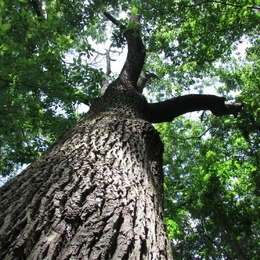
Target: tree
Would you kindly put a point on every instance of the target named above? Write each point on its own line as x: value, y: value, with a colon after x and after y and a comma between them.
x: 211, y: 197
x: 97, y: 193
x: 39, y: 86
x: 212, y: 173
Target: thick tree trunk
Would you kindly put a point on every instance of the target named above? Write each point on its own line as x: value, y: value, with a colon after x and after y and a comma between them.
x: 96, y: 194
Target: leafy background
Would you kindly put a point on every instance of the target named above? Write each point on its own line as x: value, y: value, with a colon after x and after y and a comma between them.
x: 49, y: 65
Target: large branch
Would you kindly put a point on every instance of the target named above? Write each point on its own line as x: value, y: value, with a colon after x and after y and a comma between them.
x: 167, y: 110
x: 136, y: 51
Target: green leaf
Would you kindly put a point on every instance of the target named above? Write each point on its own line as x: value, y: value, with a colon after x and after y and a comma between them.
x: 5, y: 26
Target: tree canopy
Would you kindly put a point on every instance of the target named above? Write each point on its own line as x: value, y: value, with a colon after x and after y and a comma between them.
x: 48, y: 64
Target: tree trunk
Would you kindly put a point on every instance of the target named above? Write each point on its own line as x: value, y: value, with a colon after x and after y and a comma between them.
x: 96, y: 194
x: 233, y: 244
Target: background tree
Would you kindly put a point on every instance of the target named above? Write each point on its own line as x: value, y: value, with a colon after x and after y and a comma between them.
x: 182, y: 41
x: 39, y: 85
x: 213, y: 209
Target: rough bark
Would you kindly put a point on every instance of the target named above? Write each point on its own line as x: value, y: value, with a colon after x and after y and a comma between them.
x: 96, y: 194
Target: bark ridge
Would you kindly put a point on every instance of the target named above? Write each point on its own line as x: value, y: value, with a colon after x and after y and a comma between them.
x: 96, y: 195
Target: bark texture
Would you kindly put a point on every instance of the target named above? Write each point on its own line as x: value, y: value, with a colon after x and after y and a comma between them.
x: 96, y: 194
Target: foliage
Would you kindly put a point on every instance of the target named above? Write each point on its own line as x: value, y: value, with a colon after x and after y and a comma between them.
x: 186, y: 37
x: 46, y: 49
x: 39, y: 85
x: 211, y: 184
x: 212, y: 172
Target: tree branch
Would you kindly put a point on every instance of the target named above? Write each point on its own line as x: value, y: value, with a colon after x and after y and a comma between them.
x: 167, y: 110
x: 105, y: 82
x: 114, y: 20
x: 233, y: 244
x: 136, y: 51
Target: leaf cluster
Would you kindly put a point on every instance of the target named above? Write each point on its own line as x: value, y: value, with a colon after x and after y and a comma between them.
x: 39, y: 84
